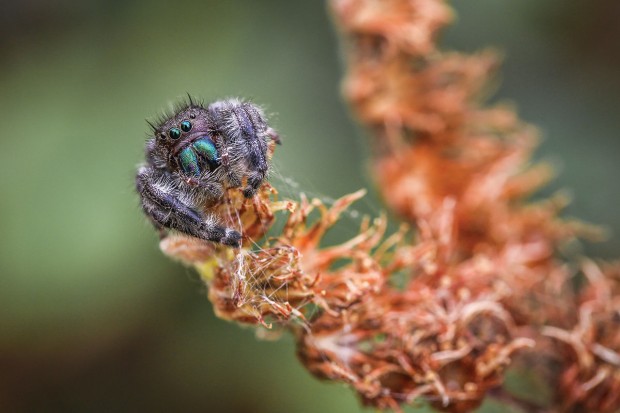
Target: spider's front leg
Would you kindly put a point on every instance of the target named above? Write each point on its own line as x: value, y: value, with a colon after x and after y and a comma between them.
x: 244, y: 137
x: 165, y: 206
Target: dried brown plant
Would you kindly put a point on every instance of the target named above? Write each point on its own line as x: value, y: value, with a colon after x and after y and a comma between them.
x: 481, y: 282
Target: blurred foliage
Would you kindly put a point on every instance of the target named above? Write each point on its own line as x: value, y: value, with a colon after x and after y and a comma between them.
x: 93, y: 317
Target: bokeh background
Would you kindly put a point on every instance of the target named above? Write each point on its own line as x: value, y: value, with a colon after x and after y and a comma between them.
x: 92, y: 317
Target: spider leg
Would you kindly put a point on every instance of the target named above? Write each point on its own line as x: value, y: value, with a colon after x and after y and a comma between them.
x: 245, y: 132
x: 252, y: 127
x: 166, y: 210
x: 274, y: 136
x: 234, y: 177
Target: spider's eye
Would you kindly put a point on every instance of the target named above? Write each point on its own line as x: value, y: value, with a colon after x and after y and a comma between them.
x: 174, y: 133
x: 186, y: 126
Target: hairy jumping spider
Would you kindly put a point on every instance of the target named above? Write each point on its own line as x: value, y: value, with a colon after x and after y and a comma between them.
x: 193, y: 156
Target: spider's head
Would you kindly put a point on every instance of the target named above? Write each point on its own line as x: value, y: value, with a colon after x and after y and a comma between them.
x: 184, y: 139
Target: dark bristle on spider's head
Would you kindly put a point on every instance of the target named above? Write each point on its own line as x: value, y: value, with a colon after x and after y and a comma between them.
x: 198, y: 152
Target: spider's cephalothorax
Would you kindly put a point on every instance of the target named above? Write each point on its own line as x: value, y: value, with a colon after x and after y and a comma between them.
x: 193, y: 156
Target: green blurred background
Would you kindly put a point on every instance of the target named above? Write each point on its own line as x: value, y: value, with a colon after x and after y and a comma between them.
x: 92, y: 316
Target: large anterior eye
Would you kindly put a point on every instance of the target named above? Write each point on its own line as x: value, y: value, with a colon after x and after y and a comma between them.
x: 186, y: 126
x: 174, y: 133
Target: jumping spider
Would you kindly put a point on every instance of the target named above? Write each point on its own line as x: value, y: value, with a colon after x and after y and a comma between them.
x: 193, y: 156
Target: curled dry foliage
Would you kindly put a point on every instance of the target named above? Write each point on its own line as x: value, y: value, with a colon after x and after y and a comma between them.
x: 284, y: 278
x: 590, y: 348
x: 441, y: 314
